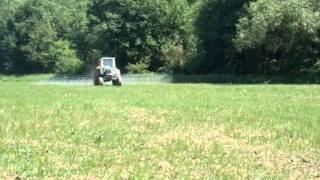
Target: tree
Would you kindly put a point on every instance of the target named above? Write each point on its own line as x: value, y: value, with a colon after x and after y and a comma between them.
x: 216, y: 28
x: 66, y: 60
x: 171, y: 36
x: 7, y: 41
x: 35, y: 28
x: 137, y: 31
x: 284, y: 35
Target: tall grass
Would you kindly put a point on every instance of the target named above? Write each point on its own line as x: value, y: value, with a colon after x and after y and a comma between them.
x: 159, y: 131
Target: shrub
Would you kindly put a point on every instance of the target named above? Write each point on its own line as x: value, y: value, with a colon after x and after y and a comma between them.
x: 66, y: 61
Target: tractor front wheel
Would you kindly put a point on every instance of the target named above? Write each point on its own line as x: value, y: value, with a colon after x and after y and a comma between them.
x: 98, y: 80
x: 117, y: 82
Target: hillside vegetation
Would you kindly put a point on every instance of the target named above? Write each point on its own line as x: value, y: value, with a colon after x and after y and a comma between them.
x: 263, y: 37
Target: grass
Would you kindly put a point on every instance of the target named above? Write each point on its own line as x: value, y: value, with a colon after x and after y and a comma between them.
x: 25, y: 78
x: 181, y: 131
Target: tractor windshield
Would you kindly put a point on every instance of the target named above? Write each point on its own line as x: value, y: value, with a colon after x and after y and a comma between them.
x: 108, y: 62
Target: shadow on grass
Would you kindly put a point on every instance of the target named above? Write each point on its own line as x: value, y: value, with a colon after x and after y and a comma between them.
x: 244, y: 79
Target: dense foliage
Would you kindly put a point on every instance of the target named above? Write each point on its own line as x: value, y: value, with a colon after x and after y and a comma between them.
x: 41, y: 36
x: 140, y: 33
x: 282, y: 36
x: 179, y: 36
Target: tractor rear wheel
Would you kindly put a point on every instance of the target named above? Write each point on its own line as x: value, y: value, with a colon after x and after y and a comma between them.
x: 97, y: 79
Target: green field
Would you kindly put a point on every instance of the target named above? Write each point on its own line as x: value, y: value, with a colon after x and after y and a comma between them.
x: 175, y: 131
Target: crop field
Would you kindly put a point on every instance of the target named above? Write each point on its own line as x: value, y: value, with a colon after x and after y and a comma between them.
x: 158, y: 131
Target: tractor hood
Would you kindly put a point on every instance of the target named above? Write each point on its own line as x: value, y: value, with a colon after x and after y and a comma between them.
x: 108, y: 70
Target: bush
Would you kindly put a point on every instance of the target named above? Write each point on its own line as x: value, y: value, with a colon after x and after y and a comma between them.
x: 317, y: 67
x: 138, y: 68
x: 66, y: 61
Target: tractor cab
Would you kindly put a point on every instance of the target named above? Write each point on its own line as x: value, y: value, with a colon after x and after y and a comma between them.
x: 108, y: 62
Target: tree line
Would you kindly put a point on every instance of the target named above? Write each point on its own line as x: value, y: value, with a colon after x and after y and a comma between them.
x: 263, y: 37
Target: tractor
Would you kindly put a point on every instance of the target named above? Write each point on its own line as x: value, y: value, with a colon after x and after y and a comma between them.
x: 107, y: 71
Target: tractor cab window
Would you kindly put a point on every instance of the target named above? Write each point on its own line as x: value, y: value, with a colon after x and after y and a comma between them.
x: 108, y: 62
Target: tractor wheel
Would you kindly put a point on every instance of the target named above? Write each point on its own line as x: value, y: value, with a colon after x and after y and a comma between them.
x: 98, y: 81
x: 117, y: 82
x: 114, y: 82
